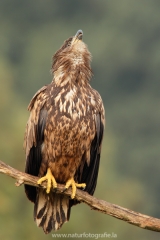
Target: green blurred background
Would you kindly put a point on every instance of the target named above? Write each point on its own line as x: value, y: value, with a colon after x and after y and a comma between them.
x: 124, y: 39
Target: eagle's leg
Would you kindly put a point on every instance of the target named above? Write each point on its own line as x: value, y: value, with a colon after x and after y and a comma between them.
x: 50, y: 180
x: 74, y: 185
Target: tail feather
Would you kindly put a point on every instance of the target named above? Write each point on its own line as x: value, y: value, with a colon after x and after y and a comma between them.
x: 51, y: 210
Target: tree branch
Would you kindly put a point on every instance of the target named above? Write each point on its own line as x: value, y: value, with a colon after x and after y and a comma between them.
x: 135, y: 218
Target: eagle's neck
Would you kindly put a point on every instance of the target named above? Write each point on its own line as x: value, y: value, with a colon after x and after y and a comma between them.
x: 79, y: 75
x: 73, y: 68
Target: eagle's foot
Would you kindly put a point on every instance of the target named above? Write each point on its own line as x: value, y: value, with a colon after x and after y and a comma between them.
x: 74, y: 185
x: 50, y: 180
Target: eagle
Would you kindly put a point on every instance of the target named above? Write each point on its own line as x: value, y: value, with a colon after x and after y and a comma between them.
x: 63, y: 135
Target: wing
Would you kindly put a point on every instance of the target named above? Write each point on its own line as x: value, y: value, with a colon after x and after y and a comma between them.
x: 34, y: 137
x: 90, y: 172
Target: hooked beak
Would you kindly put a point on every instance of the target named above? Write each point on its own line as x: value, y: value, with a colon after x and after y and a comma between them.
x: 79, y: 35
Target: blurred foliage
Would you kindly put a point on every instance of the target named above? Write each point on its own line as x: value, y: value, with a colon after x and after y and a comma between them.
x: 124, y: 39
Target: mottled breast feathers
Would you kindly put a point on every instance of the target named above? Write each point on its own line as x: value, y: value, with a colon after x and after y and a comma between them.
x: 66, y: 121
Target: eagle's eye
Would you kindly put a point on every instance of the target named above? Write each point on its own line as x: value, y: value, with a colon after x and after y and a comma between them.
x: 67, y: 43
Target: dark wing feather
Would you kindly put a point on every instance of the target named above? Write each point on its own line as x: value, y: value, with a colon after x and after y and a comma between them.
x: 34, y: 158
x: 89, y: 173
x: 34, y: 138
x: 33, y: 170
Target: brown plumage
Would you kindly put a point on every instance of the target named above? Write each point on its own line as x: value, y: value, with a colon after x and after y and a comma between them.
x: 64, y: 133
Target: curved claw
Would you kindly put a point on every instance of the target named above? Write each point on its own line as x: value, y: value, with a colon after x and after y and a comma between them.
x: 74, y: 186
x: 50, y: 180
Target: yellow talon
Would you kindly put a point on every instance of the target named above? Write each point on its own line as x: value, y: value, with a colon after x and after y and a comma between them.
x: 50, y: 180
x: 74, y: 185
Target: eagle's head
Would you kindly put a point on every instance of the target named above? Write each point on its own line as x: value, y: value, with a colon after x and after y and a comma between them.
x: 73, y: 56
x: 77, y: 46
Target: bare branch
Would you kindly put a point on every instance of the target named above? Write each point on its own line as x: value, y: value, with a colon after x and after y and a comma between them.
x: 135, y: 218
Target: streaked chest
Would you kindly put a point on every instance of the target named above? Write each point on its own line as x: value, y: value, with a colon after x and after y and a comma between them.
x: 74, y: 102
